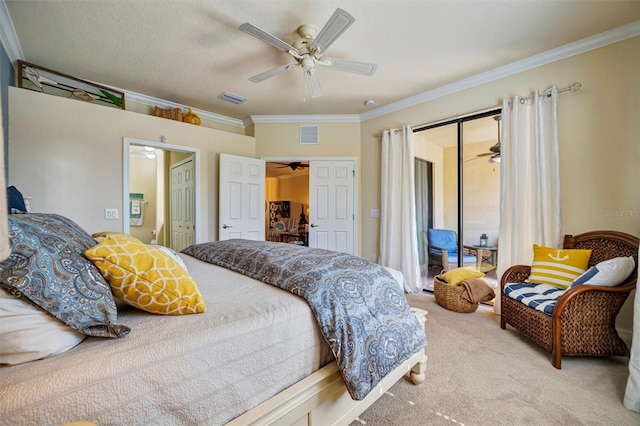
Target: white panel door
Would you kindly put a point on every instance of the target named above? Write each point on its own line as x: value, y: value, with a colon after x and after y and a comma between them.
x: 331, y: 205
x: 242, y: 203
x: 182, y: 190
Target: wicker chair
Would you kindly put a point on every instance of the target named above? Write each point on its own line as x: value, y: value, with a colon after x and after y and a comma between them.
x: 584, y: 317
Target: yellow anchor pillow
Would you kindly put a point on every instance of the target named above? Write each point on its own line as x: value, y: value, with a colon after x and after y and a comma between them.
x: 146, y: 277
x: 558, y: 267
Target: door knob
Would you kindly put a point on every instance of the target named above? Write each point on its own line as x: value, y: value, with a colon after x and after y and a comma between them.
x: 313, y: 225
x: 226, y: 226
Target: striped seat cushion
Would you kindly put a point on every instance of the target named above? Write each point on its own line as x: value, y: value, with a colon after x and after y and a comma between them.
x: 542, y: 297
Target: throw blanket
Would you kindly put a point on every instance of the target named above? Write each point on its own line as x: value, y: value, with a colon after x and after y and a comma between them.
x: 361, y: 311
x: 476, y: 290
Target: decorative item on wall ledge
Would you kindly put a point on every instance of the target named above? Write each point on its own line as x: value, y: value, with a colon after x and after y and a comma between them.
x: 40, y: 79
x: 171, y: 114
x: 191, y: 118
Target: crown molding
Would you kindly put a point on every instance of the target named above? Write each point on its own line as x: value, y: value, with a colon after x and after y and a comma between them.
x: 322, y: 118
x: 581, y: 46
x: 8, y: 35
x: 151, y: 101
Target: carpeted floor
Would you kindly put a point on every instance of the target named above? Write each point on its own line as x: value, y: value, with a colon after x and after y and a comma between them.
x: 479, y: 374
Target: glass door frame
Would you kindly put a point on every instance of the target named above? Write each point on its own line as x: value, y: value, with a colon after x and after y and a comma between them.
x: 459, y: 122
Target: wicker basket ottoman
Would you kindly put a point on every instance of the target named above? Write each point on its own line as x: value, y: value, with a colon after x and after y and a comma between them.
x: 448, y: 296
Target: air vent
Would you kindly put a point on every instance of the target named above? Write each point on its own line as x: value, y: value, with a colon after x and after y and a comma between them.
x: 230, y: 97
x: 309, y: 135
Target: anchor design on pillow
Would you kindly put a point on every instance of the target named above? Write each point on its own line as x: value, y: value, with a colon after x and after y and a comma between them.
x: 557, y: 258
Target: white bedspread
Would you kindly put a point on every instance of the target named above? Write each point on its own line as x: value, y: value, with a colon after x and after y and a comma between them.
x: 254, y: 341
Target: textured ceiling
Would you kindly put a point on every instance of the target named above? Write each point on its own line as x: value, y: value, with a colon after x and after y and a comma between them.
x: 190, y: 51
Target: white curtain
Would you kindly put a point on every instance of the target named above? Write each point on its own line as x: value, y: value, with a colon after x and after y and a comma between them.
x: 632, y: 392
x: 398, y: 241
x: 529, y: 179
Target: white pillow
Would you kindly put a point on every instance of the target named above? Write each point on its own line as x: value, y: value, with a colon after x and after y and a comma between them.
x: 28, y: 333
x: 608, y: 273
x: 175, y: 256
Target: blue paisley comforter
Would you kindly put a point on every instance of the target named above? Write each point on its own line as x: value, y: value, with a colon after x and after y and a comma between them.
x: 361, y: 311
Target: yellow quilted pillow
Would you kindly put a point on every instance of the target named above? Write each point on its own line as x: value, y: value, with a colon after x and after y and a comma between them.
x: 457, y: 275
x: 559, y: 267
x: 146, y: 277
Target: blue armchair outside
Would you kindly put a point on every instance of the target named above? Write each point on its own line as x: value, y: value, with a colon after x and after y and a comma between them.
x: 443, y: 250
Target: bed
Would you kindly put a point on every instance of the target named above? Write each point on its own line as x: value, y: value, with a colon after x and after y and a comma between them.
x: 255, y: 356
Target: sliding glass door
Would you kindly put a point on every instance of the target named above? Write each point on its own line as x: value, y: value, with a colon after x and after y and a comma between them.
x: 465, y: 185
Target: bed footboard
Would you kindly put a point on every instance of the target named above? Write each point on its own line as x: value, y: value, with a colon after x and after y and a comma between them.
x: 322, y: 398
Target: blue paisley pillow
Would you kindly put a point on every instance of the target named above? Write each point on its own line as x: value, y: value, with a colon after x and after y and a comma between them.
x: 47, y: 266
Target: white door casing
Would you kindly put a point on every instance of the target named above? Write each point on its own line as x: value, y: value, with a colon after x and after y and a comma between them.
x: 332, y: 205
x: 182, y: 190
x: 242, y: 199
x: 126, y: 226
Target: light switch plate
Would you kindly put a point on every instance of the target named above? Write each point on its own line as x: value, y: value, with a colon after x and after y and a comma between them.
x: 374, y: 213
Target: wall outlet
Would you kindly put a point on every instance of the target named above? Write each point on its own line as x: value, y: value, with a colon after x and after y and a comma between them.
x: 374, y: 213
x: 374, y: 258
x: 110, y: 214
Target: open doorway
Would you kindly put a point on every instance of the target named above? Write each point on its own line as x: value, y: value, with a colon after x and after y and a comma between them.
x: 326, y: 196
x: 160, y: 187
x: 287, y: 201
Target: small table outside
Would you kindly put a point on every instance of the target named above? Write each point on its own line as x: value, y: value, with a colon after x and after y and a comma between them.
x: 488, y: 253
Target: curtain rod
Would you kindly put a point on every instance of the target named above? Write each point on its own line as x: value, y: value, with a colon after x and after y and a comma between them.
x: 573, y: 88
x: 445, y: 120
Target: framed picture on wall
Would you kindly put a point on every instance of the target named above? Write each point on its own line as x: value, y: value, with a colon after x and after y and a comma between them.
x: 40, y: 79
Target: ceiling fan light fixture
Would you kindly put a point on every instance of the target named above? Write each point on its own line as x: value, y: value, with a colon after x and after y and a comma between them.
x: 495, y: 158
x: 308, y: 51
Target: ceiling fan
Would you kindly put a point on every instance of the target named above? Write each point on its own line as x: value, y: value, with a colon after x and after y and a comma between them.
x: 494, y: 151
x: 309, y: 49
x: 293, y: 165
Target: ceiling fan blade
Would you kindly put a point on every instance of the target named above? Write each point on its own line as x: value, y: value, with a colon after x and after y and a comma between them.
x: 363, y: 68
x: 486, y: 154
x: 268, y: 38
x: 336, y: 25
x: 271, y: 73
x: 313, y: 83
